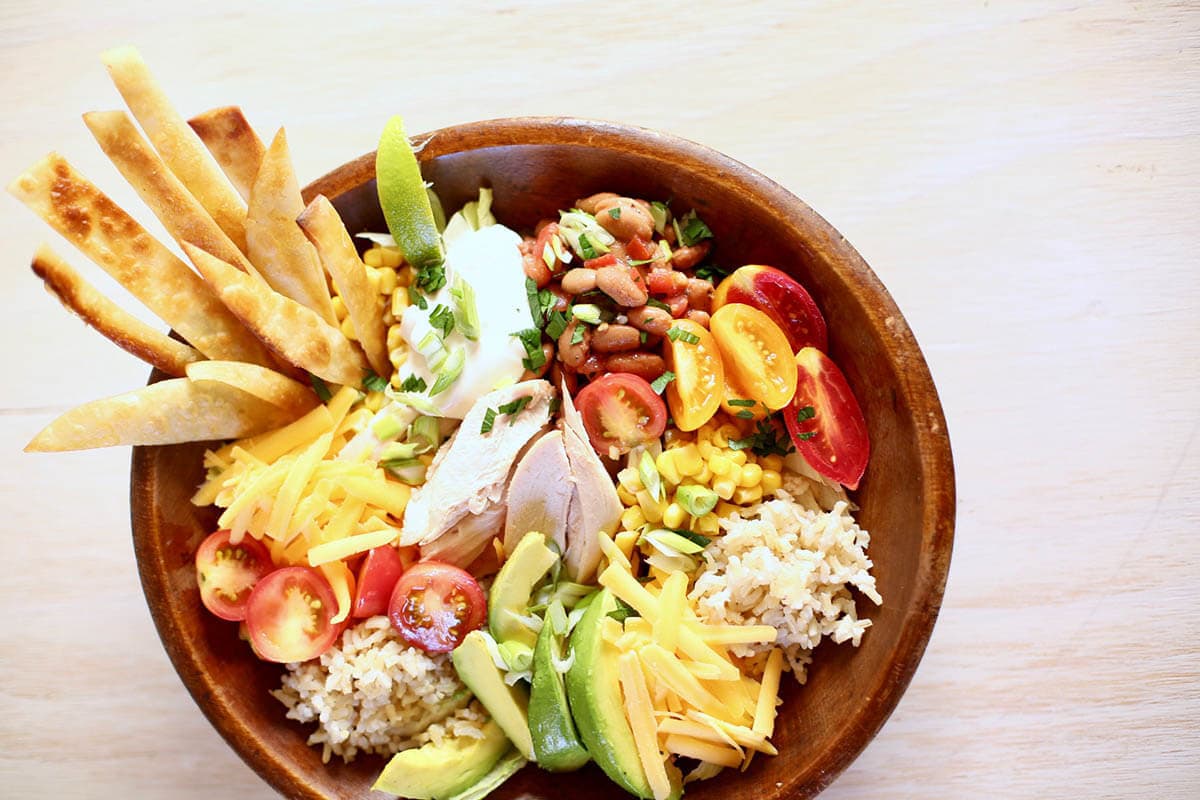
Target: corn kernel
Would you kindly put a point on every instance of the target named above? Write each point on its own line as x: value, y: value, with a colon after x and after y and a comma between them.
x: 387, y: 280
x: 373, y: 278
x: 339, y: 307
x: 771, y: 481
x: 706, y: 449
x: 748, y: 495
x: 751, y: 475
x: 394, y: 337
x: 719, y: 439
x: 704, y: 476
x: 674, y: 516
x: 399, y: 303
x: 348, y: 329
x: 737, y: 457
x: 774, y: 462
x: 632, y: 518
x: 373, y: 257
x: 626, y: 541
x: 398, y: 357
x: 388, y: 319
x: 652, y: 510
x: 688, y: 461
x: 724, y: 487
x: 627, y: 497
x: 374, y: 401
x: 666, y: 466
x: 707, y: 524
x: 391, y: 257
x: 630, y: 479
x: 404, y: 277
x: 720, y: 465
x: 724, y: 509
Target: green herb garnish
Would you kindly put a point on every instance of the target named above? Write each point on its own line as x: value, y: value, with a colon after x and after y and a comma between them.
x: 514, y: 407
x: 413, y: 384
x: 442, y: 318
x: 691, y: 229
x: 416, y: 298
x: 737, y: 401
x: 577, y: 335
x: 712, y: 273
x: 556, y: 325
x: 808, y: 412
x: 321, y: 388
x: 765, y: 441
x: 373, y: 383
x: 489, y: 419
x: 586, y: 249
x: 615, y: 212
x: 654, y: 303
x: 677, y: 334
x: 660, y: 383
x: 531, y: 340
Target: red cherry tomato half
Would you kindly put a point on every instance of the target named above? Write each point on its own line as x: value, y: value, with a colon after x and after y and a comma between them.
x: 227, y: 573
x: 825, y: 421
x: 621, y: 411
x: 639, y: 249
x: 290, y: 615
x: 781, y: 298
x: 434, y: 606
x: 376, y: 579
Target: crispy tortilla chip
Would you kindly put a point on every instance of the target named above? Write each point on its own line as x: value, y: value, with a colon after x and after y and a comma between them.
x: 323, y: 227
x: 113, y: 322
x: 265, y: 384
x: 168, y: 412
x: 293, y: 331
x: 276, y: 245
x: 233, y: 143
x: 178, y: 144
x: 180, y: 213
x: 105, y: 233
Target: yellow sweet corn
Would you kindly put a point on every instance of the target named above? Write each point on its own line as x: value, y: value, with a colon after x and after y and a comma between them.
x: 750, y: 475
x: 348, y: 329
x: 738, y: 457
x: 387, y: 280
x: 720, y: 465
x: 339, y: 307
x: 687, y: 460
x: 771, y: 481
x: 724, y: 487
x: 708, y: 524
x: 746, y: 496
x: 374, y: 278
x: 666, y: 466
x: 373, y: 257
x: 374, y: 401
x: 771, y: 463
x: 725, y: 509
x: 627, y: 497
x: 633, y: 518
x: 704, y: 476
x: 674, y: 516
x: 391, y: 257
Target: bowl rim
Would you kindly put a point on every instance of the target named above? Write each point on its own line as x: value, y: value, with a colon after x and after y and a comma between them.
x: 915, y: 384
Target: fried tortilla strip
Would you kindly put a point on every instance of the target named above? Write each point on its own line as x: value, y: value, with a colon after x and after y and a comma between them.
x: 180, y: 213
x: 113, y: 322
x: 323, y: 227
x: 276, y: 245
x: 266, y: 384
x: 233, y: 143
x: 168, y: 412
x: 105, y: 233
x: 296, y: 333
x: 177, y: 143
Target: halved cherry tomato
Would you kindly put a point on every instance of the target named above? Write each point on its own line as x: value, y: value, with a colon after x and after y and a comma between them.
x: 825, y: 421
x: 691, y: 353
x: 781, y: 298
x: 228, y: 572
x: 544, y: 240
x: 757, y: 356
x: 376, y: 579
x: 664, y: 282
x: 290, y: 615
x: 639, y: 249
x: 434, y: 606
x: 620, y: 411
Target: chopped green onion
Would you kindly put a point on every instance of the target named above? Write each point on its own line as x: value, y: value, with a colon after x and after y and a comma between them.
x: 585, y: 247
x: 321, y: 388
x: 586, y: 312
x: 648, y: 472
x: 676, y: 334
x: 659, y: 212
x: 556, y: 615
x: 737, y: 401
x: 374, y: 383
x: 670, y: 543
x: 448, y: 373
x: 489, y: 419
x: 386, y: 427
x: 408, y: 470
x: 655, y: 303
x: 514, y: 407
x: 660, y: 383
x: 548, y: 256
x: 466, y: 312
x: 426, y: 433
x: 577, y: 335
x: 397, y: 451
x: 430, y: 345
x: 615, y: 212
x: 696, y: 500
x: 416, y: 400
x: 698, y: 538
x: 518, y: 655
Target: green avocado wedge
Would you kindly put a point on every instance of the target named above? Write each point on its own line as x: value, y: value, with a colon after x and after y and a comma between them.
x: 508, y: 705
x: 505, y: 768
x: 404, y: 200
x: 555, y: 741
x: 594, y: 693
x: 508, y: 599
x: 438, y: 772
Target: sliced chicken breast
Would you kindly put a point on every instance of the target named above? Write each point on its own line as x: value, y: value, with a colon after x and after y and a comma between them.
x: 539, y: 493
x: 595, y: 505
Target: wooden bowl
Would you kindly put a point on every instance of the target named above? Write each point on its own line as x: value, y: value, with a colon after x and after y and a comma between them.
x: 536, y: 166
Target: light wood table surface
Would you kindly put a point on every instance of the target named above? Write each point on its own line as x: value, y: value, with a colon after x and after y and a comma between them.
x: 1024, y: 177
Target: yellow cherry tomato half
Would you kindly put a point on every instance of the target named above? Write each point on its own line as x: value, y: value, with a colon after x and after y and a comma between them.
x: 757, y: 354
x: 692, y: 354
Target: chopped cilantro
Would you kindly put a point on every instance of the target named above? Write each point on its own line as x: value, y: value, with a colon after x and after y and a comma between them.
x: 586, y: 249
x: 655, y: 303
x: 413, y: 384
x: 804, y: 437
x: 431, y: 278
x: 660, y: 383
x: 615, y: 212
x: 416, y: 298
x: 577, y: 335
x: 442, y: 318
x: 692, y: 229
x: 712, y: 273
x: 676, y: 334
x: 373, y: 383
x: 489, y: 419
x: 556, y: 325
x: 741, y: 402
x: 531, y: 340
x: 321, y: 388
x: 514, y: 407
x: 766, y: 440
x: 808, y: 412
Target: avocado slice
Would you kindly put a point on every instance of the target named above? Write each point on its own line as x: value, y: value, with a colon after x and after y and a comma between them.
x: 436, y: 772
x: 555, y: 741
x: 524, y: 569
x: 594, y: 693
x: 505, y: 768
x: 508, y: 705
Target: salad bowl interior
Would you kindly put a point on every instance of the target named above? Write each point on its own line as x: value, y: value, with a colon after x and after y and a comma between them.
x: 906, y: 500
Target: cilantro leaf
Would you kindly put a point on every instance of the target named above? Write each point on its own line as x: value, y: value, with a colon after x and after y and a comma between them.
x: 442, y: 318
x: 712, y: 273
x: 808, y: 412
x: 374, y: 383
x: 416, y: 298
x: 615, y: 212
x: 660, y: 383
x: 413, y: 384
x: 556, y: 325
x: 692, y: 229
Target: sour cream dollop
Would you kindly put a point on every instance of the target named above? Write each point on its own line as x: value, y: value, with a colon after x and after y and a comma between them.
x: 490, y: 261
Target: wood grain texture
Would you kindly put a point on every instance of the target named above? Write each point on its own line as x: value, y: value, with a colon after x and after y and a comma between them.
x: 1021, y: 175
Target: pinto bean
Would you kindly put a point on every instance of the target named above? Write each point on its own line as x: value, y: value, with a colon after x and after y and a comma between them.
x: 699, y: 317
x: 573, y: 355
x: 534, y: 266
x: 644, y: 365
x: 579, y: 280
x: 614, y: 338
x: 650, y: 319
x: 592, y: 366
x: 699, y: 294
x: 619, y: 284
x: 592, y: 202
x: 625, y: 218
x: 689, y: 256
x: 548, y: 352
